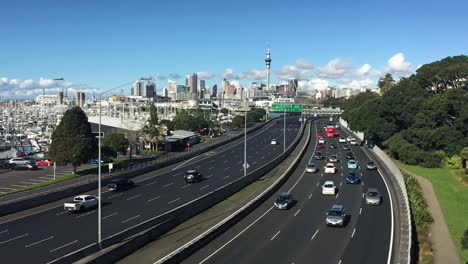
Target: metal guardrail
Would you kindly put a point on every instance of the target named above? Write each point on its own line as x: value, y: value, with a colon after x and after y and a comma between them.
x: 398, y: 182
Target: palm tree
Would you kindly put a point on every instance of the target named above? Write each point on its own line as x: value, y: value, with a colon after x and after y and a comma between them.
x: 151, y: 136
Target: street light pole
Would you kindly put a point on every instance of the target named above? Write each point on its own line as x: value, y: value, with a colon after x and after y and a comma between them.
x: 284, y: 133
x: 245, y: 143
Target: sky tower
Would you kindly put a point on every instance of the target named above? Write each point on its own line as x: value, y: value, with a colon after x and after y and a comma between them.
x: 268, y: 62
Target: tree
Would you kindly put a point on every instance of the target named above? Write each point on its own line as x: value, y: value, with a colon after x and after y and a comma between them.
x: 464, y: 240
x: 153, y: 120
x: 386, y: 83
x: 72, y: 141
x: 151, y: 129
x: 224, y: 111
x: 464, y: 156
x: 238, y: 121
x: 117, y: 142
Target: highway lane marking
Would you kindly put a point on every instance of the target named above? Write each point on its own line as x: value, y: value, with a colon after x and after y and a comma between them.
x: 362, y: 195
x: 6, y: 188
x: 151, y: 183
x: 253, y: 163
x: 360, y: 210
x: 225, y: 177
x: 167, y: 185
x: 310, y: 196
x: 339, y: 262
x: 66, y: 245
x: 227, y: 168
x: 36, y: 180
x: 185, y: 186
x: 354, y: 231
x: 133, y: 197
x: 173, y: 201
x: 109, y: 216
x: 318, y: 184
x: 183, y: 163
x: 227, y: 161
x: 297, y: 212
x: 236, y: 236
x: 18, y: 185
x: 211, y: 161
x: 4, y: 231
x: 314, y: 234
x: 341, y: 183
x: 152, y: 199
x: 61, y: 213
x: 11, y: 239
x: 337, y: 195
x: 256, y: 152
x: 115, y: 195
x: 46, y: 178
x: 262, y: 157
x: 341, y: 174
x: 210, y: 168
x: 85, y: 214
x: 38, y: 242
x: 29, y: 183
x: 204, y: 187
x: 277, y: 233
x: 130, y: 219
x: 209, y: 176
x: 362, y: 183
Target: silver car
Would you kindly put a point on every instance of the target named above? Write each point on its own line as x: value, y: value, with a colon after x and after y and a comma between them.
x: 370, y: 165
x: 311, y: 167
x: 373, y: 197
x: 336, y: 216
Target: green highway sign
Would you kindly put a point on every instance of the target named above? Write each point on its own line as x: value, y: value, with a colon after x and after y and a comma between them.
x: 288, y: 107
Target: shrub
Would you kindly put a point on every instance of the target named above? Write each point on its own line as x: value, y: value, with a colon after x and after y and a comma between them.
x: 422, y: 216
x: 464, y: 240
x: 455, y: 162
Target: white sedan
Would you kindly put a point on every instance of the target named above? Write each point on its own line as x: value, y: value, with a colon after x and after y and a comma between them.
x: 329, y: 188
x: 342, y: 140
x: 330, y: 168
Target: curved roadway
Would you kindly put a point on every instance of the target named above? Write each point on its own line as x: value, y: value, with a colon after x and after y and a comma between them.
x: 299, y: 235
x: 50, y: 234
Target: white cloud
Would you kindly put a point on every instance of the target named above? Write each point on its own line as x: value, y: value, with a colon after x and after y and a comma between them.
x: 358, y: 84
x: 314, y: 84
x: 366, y: 70
x: 228, y: 73
x: 291, y: 71
x: 253, y: 75
x: 304, y: 64
x: 334, y: 69
x: 205, y: 75
x: 397, y: 64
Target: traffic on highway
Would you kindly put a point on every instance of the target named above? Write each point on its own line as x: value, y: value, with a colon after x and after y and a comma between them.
x: 48, y: 234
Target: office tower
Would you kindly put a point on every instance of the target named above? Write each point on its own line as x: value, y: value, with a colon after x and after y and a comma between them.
x: 214, y: 92
x: 193, y: 83
x: 202, y: 89
x: 166, y: 92
x: 138, y: 88
x: 150, y: 91
x: 292, y: 87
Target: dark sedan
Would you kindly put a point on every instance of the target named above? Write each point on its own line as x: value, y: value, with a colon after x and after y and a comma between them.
x: 352, y: 178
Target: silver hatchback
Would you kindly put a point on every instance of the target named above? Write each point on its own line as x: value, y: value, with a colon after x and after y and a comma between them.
x: 336, y: 216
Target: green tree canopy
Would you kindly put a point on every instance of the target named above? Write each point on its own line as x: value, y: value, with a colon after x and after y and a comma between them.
x: 386, y: 83
x: 224, y: 111
x: 238, y: 121
x: 183, y: 120
x: 117, y: 142
x: 72, y: 141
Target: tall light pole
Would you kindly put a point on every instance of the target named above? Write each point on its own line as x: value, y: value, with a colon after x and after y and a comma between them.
x: 245, y: 142
x: 284, y: 133
x: 99, y: 157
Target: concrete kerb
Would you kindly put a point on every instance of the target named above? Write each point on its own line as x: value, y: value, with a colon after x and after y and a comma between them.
x: 177, y: 216
x: 403, y: 242
x: 187, y: 249
x: 41, y: 198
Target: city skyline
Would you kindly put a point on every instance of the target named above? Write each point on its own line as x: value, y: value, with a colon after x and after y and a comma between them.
x: 320, y: 44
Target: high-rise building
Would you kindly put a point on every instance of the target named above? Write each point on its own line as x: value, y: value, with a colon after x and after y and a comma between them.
x: 138, y: 88
x: 166, y: 92
x: 214, y: 91
x: 202, y: 89
x: 292, y: 86
x: 181, y: 89
x: 193, y: 83
x: 150, y: 91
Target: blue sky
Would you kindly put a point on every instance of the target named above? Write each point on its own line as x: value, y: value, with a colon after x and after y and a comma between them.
x: 102, y: 44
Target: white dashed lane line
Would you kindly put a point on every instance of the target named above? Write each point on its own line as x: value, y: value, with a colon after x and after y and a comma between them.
x: 277, y: 233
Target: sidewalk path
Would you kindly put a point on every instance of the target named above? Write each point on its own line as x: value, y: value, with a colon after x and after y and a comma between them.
x: 444, y: 248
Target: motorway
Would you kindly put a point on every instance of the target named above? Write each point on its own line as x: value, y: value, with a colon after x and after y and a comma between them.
x: 300, y: 235
x: 49, y: 234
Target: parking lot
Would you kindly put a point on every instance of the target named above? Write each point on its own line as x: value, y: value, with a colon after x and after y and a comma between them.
x: 11, y: 180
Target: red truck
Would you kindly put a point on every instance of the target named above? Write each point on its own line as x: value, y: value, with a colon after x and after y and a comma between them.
x: 330, y: 131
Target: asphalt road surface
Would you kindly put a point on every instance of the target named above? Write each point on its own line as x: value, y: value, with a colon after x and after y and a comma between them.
x: 300, y: 235
x: 50, y: 234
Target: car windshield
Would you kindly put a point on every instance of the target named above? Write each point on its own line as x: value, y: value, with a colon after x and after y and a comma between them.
x: 311, y: 166
x: 328, y: 185
x: 370, y: 163
x: 282, y: 198
x: 334, y: 213
x: 352, y: 174
x: 330, y: 166
x: 372, y: 194
x: 351, y: 162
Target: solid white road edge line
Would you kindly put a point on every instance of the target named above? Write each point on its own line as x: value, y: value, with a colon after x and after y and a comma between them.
x: 66, y: 245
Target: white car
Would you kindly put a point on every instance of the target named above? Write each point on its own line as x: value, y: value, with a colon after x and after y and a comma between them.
x: 274, y: 142
x: 353, y: 142
x: 81, y: 203
x: 329, y: 188
x: 330, y: 168
x: 349, y: 138
x: 321, y: 141
x: 342, y: 140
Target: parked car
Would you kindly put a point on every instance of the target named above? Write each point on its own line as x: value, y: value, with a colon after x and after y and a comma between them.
x: 192, y: 176
x: 120, y: 185
x: 329, y: 188
x: 370, y: 165
x: 352, y: 164
x: 318, y: 155
x: 45, y: 162
x: 336, y: 216
x: 18, y: 161
x: 373, y: 197
x: 81, y: 203
x: 311, y: 167
x: 352, y: 178
x: 284, y: 201
x: 330, y: 168
x: 25, y: 166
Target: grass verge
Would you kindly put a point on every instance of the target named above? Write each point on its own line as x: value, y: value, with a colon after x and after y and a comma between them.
x: 453, y: 198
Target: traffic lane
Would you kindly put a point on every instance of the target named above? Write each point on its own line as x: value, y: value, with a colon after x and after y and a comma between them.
x: 80, y: 242
x: 235, y: 250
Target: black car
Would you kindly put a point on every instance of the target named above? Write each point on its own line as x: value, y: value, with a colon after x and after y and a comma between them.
x: 352, y: 178
x: 349, y: 155
x: 192, y: 176
x: 25, y: 166
x: 346, y: 147
x: 284, y: 201
x: 118, y: 185
x: 318, y: 155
